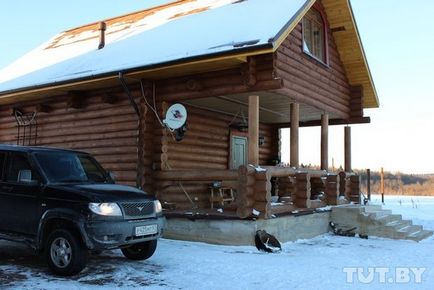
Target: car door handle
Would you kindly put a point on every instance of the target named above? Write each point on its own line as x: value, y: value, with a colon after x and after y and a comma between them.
x: 7, y: 188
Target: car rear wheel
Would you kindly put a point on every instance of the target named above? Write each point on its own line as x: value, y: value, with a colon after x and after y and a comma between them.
x: 65, y: 253
x: 140, y: 251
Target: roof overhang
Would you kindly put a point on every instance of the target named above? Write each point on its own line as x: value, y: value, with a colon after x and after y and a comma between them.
x: 340, y: 17
x: 344, y: 28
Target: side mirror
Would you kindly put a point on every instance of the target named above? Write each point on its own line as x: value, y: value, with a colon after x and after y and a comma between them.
x: 25, y: 176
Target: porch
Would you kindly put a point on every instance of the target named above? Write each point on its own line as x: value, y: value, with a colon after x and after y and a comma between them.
x: 258, y: 192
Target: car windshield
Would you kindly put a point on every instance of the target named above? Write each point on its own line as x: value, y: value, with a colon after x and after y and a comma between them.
x: 71, y: 167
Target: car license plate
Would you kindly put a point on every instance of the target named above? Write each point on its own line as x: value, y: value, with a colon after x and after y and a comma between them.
x: 146, y: 230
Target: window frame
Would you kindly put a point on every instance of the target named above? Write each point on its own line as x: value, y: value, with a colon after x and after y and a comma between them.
x: 318, y: 8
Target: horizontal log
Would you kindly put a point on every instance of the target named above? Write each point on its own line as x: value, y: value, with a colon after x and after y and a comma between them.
x: 301, y: 97
x: 197, y: 175
x: 120, y: 166
x: 182, y: 150
x: 302, y: 203
x: 190, y: 189
x: 88, y: 137
x: 199, y: 142
x: 124, y: 158
x: 332, y: 122
x: 86, y: 130
x: 246, y: 202
x: 262, y: 196
x: 125, y: 175
x: 220, y: 91
x: 244, y: 212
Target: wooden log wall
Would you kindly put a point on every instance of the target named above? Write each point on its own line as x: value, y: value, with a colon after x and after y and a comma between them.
x: 302, y: 190
x: 352, y: 188
x: 246, y: 191
x: 206, y: 144
x: 308, y: 81
x: 332, y: 189
x: 108, y: 131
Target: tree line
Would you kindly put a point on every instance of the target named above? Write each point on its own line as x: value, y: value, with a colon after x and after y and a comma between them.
x: 399, y: 183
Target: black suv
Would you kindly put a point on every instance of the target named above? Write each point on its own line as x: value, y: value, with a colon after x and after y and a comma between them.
x: 64, y: 204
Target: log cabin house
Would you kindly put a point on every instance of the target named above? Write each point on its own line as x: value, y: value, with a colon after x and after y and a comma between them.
x: 243, y: 69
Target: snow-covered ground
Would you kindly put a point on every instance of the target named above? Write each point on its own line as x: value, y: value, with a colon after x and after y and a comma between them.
x: 325, y: 262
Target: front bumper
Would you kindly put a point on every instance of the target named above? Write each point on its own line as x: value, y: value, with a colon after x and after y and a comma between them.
x: 104, y: 235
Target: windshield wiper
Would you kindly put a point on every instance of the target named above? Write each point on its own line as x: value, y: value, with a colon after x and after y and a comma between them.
x: 72, y: 181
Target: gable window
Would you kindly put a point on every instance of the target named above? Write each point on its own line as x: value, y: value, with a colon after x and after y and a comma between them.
x: 314, y: 36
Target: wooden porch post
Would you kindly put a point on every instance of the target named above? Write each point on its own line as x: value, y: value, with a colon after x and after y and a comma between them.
x: 347, y: 149
x: 325, y: 142
x: 295, y: 119
x: 253, y: 130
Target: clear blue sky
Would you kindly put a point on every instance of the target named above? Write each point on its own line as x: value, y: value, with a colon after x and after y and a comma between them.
x: 398, y: 37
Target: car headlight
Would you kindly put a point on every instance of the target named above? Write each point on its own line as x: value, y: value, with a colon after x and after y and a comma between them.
x: 106, y: 209
x: 158, y: 207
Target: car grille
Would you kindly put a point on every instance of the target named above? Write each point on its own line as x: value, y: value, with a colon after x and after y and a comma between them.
x: 138, y: 209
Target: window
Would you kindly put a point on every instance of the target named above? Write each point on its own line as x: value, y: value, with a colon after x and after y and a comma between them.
x: 70, y: 167
x: 20, y: 169
x: 314, y: 36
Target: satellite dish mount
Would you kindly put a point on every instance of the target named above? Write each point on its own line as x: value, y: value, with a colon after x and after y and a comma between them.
x: 176, y: 118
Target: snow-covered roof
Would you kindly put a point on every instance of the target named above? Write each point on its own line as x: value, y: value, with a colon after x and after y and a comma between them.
x: 179, y: 33
x: 173, y: 32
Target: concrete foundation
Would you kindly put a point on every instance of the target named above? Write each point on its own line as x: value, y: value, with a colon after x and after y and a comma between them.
x: 242, y: 232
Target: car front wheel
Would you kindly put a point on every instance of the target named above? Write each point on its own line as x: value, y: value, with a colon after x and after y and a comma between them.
x: 65, y: 253
x: 140, y: 251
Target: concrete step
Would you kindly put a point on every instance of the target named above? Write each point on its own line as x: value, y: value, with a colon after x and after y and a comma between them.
x: 385, y: 219
x: 373, y: 207
x: 398, y: 224
x: 419, y: 236
x: 379, y: 213
x: 406, y: 231
x: 375, y: 221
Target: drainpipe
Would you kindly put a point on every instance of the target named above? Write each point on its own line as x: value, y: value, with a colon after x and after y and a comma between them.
x: 127, y: 91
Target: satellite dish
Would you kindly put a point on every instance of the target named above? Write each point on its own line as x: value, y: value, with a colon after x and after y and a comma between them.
x: 176, y: 116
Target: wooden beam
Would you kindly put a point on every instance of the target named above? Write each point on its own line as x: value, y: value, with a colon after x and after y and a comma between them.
x: 228, y: 99
x: 356, y: 103
x: 43, y: 108
x: 76, y: 99
x: 253, y: 130
x: 295, y: 118
x: 347, y: 149
x: 223, y: 90
x: 248, y: 71
x: 332, y: 122
x: 325, y: 142
x: 109, y: 98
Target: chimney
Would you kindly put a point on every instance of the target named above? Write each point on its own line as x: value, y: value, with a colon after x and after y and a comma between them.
x: 102, y: 28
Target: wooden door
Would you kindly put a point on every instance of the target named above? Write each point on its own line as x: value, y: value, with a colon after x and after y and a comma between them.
x: 238, y: 151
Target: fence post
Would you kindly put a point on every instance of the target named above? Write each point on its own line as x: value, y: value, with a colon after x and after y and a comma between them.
x: 368, y: 183
x: 382, y: 185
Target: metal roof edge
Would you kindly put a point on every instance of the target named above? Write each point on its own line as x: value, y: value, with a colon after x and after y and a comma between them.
x: 245, y: 51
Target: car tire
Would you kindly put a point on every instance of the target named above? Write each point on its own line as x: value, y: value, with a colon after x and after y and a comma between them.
x: 65, y: 253
x: 140, y: 251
